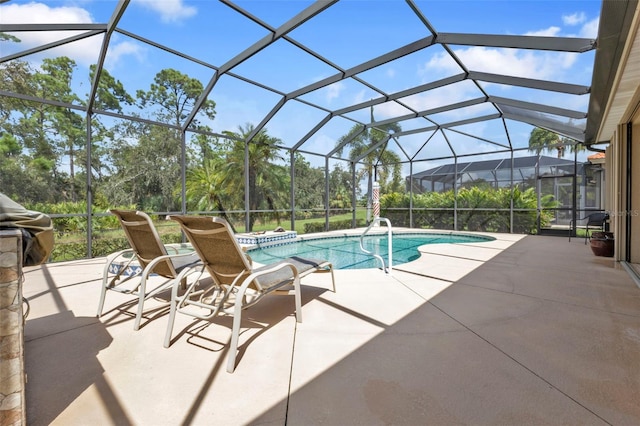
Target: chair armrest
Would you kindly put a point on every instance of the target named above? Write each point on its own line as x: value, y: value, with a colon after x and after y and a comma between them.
x: 111, y: 257
x: 118, y: 254
x: 162, y: 258
x: 262, y: 272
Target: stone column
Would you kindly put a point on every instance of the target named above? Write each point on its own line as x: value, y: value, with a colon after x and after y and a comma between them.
x: 12, y: 376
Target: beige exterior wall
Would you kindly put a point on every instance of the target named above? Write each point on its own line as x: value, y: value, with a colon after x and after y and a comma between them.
x: 616, y: 187
x: 623, y: 107
x: 614, y: 200
x: 634, y: 213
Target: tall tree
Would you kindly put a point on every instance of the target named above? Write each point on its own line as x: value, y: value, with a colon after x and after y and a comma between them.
x: 16, y: 77
x: 146, y: 168
x: 203, y: 149
x: 148, y: 165
x: 18, y: 179
x: 172, y: 97
x: 22, y: 177
x: 46, y: 133
x: 206, y: 190
x: 65, y: 125
x: 309, y: 184
x: 378, y: 159
x: 340, y: 186
x: 111, y: 95
x: 546, y: 140
x: 268, y: 181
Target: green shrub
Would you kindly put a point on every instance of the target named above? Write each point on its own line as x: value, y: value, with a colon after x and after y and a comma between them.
x: 478, y: 209
x: 333, y: 225
x: 76, y: 248
x: 77, y: 224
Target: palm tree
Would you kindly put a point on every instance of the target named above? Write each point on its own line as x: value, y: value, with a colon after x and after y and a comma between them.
x: 387, y: 162
x: 268, y: 181
x: 205, y: 188
x: 546, y: 140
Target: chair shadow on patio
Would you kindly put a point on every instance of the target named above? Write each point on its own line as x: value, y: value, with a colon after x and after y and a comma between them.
x: 237, y: 284
x: 58, y: 373
x: 214, y: 334
x: 125, y: 311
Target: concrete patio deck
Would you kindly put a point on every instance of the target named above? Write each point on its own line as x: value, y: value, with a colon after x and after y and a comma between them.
x: 521, y: 330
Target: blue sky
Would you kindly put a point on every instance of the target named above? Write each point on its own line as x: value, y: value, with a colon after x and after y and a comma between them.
x: 347, y: 34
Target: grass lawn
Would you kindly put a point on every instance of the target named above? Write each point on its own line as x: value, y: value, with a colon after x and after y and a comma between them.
x: 72, y: 245
x: 300, y: 223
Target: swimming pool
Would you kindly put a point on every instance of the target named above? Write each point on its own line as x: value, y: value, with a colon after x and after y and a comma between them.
x: 345, y: 253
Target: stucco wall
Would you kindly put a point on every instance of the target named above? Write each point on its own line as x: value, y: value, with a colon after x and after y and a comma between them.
x: 634, y: 213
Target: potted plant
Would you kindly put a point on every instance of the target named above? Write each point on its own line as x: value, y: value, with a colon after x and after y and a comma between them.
x: 602, y: 243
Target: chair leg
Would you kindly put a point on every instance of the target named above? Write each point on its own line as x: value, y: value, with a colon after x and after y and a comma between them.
x: 333, y: 278
x: 235, y: 334
x: 136, y: 324
x: 141, y: 298
x: 103, y: 290
x: 172, y: 320
x: 103, y: 294
x: 587, y: 237
x: 298, y: 298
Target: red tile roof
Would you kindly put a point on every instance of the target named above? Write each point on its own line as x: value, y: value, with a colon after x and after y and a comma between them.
x: 596, y: 156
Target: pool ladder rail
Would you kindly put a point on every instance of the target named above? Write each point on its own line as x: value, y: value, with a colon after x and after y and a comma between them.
x: 387, y: 269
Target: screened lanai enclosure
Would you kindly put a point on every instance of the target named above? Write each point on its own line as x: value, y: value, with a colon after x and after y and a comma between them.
x: 562, y: 187
x: 285, y: 113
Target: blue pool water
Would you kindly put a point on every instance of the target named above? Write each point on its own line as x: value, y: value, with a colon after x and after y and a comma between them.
x: 345, y: 253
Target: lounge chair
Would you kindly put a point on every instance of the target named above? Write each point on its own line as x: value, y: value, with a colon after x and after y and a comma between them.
x: 237, y: 285
x: 123, y: 276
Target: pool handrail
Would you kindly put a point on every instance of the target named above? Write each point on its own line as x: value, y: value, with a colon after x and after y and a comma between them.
x: 386, y: 269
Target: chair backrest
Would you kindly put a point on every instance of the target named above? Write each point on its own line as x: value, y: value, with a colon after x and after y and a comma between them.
x: 213, y: 240
x: 597, y: 219
x: 144, y: 240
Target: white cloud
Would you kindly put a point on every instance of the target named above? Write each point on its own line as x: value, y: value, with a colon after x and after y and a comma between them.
x: 574, y: 19
x: 321, y: 142
x: 388, y: 110
x: 118, y: 50
x: 590, y: 29
x: 169, y: 10
x: 84, y: 52
x: 359, y: 97
x: 334, y: 90
x: 548, y: 32
x: 434, y: 98
x: 39, y: 13
x: 515, y: 62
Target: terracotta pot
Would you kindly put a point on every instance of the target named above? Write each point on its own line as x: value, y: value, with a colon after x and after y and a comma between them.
x: 602, y: 244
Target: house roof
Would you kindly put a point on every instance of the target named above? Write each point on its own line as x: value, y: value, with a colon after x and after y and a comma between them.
x: 490, y: 165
